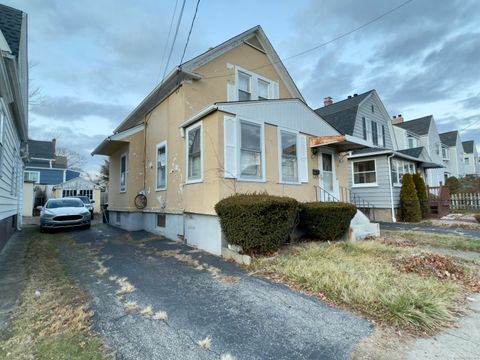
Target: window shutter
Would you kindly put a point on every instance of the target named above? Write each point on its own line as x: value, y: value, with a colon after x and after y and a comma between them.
x: 302, y: 159
x: 275, y: 90
x: 230, y: 147
x: 384, y: 141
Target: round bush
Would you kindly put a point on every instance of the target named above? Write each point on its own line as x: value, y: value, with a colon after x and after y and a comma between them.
x: 326, y: 220
x: 257, y: 222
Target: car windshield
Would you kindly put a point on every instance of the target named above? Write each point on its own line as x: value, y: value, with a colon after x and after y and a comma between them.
x: 59, y: 203
x: 85, y: 199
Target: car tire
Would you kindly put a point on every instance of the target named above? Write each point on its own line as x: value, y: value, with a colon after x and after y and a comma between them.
x: 91, y: 215
x: 86, y: 227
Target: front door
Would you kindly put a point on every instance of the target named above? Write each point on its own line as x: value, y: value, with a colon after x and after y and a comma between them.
x: 327, y: 177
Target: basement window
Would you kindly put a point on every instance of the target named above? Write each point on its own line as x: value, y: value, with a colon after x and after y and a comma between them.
x: 161, y: 220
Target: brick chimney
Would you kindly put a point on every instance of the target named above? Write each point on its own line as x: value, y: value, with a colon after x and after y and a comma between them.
x: 54, y: 142
x: 327, y: 101
x: 397, y: 119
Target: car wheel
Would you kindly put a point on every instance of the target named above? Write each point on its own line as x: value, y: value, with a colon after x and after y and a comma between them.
x: 91, y: 215
x: 86, y: 227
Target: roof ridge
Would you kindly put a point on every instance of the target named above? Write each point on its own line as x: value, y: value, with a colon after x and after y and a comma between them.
x: 339, y: 102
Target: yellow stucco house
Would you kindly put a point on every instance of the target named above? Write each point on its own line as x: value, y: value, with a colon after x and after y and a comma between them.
x: 230, y: 120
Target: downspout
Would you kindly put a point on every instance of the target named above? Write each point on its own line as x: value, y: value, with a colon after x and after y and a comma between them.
x: 394, y: 219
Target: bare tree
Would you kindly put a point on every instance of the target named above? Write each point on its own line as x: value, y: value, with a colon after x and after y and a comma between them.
x: 76, y: 161
x: 36, y: 97
x: 105, y: 170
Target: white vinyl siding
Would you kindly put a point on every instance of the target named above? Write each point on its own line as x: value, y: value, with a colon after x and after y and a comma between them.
x: 11, y: 167
x: 123, y: 172
x: 382, y: 119
x: 194, y: 152
x: 161, y: 166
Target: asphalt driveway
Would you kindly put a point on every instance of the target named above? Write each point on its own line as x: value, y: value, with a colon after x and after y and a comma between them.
x: 203, y: 296
x: 430, y: 229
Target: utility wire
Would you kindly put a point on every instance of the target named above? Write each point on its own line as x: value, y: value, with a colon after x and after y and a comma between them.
x: 174, y: 40
x: 168, y: 38
x: 327, y: 42
x: 190, y: 32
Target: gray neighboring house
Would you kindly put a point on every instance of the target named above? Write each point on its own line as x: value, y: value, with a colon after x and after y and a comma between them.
x: 422, y: 132
x: 374, y: 173
x: 470, y: 160
x: 13, y: 118
x: 454, y: 165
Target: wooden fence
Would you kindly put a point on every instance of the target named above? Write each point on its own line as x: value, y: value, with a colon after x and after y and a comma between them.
x: 465, y: 201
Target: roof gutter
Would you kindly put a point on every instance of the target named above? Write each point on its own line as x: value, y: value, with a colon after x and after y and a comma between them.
x: 202, y: 113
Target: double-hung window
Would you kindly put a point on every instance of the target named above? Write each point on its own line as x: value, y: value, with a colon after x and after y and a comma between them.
x: 244, y: 87
x: 250, y: 151
x: 194, y: 153
x: 31, y: 176
x: 289, y: 160
x: 161, y: 166
x: 123, y: 173
x: 263, y: 88
x: 374, y: 133
x: 400, y: 168
x: 364, y: 173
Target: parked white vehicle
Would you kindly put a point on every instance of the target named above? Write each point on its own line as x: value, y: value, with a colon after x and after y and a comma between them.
x: 62, y: 213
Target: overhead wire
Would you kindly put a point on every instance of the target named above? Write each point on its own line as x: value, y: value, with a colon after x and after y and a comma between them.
x: 190, y: 31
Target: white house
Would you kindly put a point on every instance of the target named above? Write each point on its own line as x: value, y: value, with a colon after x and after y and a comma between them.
x: 471, y: 161
x: 13, y: 117
x: 454, y: 154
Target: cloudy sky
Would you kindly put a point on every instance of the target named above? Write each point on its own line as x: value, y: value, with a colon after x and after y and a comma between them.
x: 95, y: 60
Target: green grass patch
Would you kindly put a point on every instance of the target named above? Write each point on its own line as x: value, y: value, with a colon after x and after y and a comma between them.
x: 363, y: 277
x: 445, y: 241
x: 52, y: 320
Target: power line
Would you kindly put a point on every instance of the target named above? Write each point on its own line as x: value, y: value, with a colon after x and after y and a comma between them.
x: 168, y: 37
x: 174, y: 39
x: 190, y: 31
x: 327, y: 42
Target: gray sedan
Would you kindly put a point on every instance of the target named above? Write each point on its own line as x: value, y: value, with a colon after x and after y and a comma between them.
x: 62, y: 213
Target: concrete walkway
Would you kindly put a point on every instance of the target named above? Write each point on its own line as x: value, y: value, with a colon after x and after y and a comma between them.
x: 204, y: 296
x: 430, y: 229
x: 12, y: 275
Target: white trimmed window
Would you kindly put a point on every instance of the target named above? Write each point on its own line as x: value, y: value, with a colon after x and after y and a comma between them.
x: 251, y: 151
x: 161, y: 174
x: 31, y: 176
x: 123, y: 173
x: 289, y: 157
x: 445, y: 153
x: 364, y: 173
x: 194, y: 153
x: 263, y: 89
x: 244, y: 87
x: 400, y: 168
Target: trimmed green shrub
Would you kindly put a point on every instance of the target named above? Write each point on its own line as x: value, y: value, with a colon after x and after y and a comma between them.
x: 257, y: 222
x: 409, y: 204
x: 454, y: 185
x: 421, y: 194
x: 326, y: 220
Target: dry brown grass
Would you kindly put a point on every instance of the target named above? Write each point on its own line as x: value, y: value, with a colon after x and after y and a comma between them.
x: 102, y: 270
x: 227, y: 357
x: 52, y: 317
x: 160, y: 315
x: 130, y: 306
x: 125, y: 286
x: 146, y: 311
x: 205, y: 343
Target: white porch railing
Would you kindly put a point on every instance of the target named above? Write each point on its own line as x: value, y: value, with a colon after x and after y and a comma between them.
x: 465, y: 201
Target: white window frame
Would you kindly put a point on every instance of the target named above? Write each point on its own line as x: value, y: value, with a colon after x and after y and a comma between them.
x: 239, y: 148
x: 124, y: 189
x: 187, y: 131
x: 250, y: 82
x: 375, y: 184
x: 447, y: 153
x: 280, y: 172
x: 160, y: 145
x: 31, y: 172
x: 254, y: 78
x: 400, y: 164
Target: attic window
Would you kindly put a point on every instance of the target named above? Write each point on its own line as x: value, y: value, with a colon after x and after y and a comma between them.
x: 244, y: 87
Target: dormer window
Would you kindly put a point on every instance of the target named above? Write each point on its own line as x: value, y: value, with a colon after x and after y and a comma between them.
x: 244, y: 87
x: 412, y: 142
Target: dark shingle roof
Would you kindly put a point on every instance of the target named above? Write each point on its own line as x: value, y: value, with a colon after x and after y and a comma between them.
x: 341, y: 115
x: 418, y: 126
x: 468, y: 146
x: 41, y: 149
x: 11, y: 25
x: 449, y: 138
x: 415, y: 152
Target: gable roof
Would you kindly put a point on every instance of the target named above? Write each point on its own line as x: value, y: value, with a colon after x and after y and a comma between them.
x: 468, y: 146
x: 11, y: 25
x: 41, y: 149
x: 415, y: 152
x: 342, y: 115
x: 449, y: 138
x: 254, y: 37
x: 418, y: 126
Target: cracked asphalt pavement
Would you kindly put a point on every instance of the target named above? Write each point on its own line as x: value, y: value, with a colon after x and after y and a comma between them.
x: 203, y: 296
